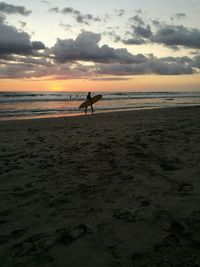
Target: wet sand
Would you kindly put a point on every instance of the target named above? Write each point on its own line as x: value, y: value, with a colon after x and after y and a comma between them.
x: 117, y: 189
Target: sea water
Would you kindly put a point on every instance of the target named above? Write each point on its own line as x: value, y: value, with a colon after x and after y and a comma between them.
x: 28, y: 105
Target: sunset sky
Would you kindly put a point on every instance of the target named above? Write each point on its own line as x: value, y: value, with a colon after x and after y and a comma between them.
x: 81, y: 45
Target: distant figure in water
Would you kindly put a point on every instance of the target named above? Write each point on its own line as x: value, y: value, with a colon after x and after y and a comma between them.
x: 89, y: 98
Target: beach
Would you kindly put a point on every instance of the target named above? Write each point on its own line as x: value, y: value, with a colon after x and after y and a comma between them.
x: 109, y: 189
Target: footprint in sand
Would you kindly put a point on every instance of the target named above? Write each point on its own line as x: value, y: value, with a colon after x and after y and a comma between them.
x: 67, y: 237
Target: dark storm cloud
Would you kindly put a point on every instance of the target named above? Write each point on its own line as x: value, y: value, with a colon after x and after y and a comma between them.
x: 13, y: 41
x: 12, y: 9
x: 86, y: 47
x: 171, y: 35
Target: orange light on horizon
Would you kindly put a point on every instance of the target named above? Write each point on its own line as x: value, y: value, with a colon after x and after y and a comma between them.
x: 131, y: 83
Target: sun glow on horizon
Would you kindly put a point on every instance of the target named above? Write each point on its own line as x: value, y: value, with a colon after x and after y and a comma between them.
x: 136, y: 83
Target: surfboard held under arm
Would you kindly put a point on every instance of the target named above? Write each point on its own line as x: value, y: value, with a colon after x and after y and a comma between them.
x: 87, y: 103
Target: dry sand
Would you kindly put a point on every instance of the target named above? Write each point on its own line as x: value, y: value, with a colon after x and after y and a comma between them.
x: 118, y: 189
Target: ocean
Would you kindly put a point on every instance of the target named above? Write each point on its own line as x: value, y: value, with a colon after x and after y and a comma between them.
x: 29, y: 105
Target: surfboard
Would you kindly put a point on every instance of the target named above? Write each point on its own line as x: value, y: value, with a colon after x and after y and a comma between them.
x: 87, y: 103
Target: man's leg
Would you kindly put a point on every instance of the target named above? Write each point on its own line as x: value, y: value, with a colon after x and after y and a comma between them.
x: 91, y: 106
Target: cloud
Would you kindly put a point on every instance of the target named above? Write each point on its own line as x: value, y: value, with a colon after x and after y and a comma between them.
x: 12, y: 9
x: 139, y: 11
x: 31, y: 67
x: 27, y: 68
x: 180, y: 16
x: 86, y: 18
x: 109, y: 60
x: 120, y: 12
x: 112, y: 34
x: 191, y: 62
x: 141, y: 31
x: 66, y: 26
x: 86, y: 48
x: 45, y: 2
x: 14, y: 42
x: 160, y: 67
x: 183, y: 60
x: 71, y: 10
x: 13, y: 59
x: 54, y: 9
x: 134, y: 41
x: 40, y: 61
x: 121, y: 69
x: 79, y: 17
x: 22, y: 24
x: 171, y: 35
x: 139, y: 36
x: 196, y: 62
x: 152, y: 66
x: 137, y: 19
x: 110, y: 79
x: 156, y: 23
x: 37, y: 45
x: 22, y: 58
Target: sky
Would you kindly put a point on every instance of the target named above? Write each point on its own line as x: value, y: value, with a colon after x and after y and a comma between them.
x: 87, y: 45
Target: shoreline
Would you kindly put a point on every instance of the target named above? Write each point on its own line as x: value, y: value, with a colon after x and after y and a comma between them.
x: 113, y: 189
x: 52, y: 116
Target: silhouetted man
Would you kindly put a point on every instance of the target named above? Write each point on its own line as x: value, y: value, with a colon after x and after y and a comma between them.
x: 90, y: 99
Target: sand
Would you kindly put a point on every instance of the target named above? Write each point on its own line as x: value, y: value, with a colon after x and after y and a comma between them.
x: 115, y: 189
